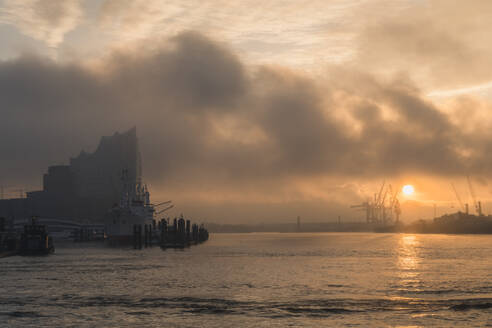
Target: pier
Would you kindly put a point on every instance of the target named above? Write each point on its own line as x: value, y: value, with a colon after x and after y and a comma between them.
x: 180, y: 234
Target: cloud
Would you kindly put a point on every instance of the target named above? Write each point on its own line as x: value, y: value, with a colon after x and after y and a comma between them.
x: 442, y: 44
x: 214, y: 129
x: 47, y: 21
x: 290, y: 33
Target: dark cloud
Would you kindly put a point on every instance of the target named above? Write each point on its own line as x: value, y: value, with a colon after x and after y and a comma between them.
x: 209, y: 124
x: 191, y: 74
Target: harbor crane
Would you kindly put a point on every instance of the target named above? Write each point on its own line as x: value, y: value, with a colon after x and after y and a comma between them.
x: 384, y: 208
x: 477, y: 205
x: 364, y: 207
x: 377, y: 200
x: 458, y: 197
x: 167, y: 208
x: 395, y: 204
x: 163, y: 203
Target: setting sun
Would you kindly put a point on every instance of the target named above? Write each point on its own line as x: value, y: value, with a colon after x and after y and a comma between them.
x: 408, y: 190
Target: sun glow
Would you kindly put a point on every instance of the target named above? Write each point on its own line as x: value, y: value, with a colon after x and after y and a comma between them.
x: 408, y: 190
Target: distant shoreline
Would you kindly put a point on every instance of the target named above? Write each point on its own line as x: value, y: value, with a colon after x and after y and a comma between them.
x: 448, y: 224
x: 292, y: 227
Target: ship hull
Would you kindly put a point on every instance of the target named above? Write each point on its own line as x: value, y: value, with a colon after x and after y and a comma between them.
x: 120, y: 225
x: 120, y: 240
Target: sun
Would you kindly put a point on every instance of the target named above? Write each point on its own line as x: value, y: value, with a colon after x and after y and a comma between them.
x: 408, y: 190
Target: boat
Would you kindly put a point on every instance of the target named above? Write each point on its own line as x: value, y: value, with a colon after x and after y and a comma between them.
x: 8, y: 240
x: 35, y: 240
x: 134, y: 209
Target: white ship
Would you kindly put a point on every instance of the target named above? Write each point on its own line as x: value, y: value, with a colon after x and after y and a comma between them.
x: 134, y: 209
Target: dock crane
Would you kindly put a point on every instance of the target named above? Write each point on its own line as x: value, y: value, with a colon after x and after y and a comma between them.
x: 382, y: 206
x: 167, y: 208
x: 364, y: 207
x: 478, y: 205
x: 166, y: 202
x: 162, y: 211
x: 376, y: 208
x: 376, y: 201
x: 395, y: 204
x: 376, y: 211
x: 458, y: 197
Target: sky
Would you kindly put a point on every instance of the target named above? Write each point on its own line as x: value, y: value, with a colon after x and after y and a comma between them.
x: 256, y: 111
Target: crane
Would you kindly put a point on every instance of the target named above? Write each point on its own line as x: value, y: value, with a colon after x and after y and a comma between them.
x: 166, y: 202
x: 379, y: 194
x: 478, y: 205
x: 376, y: 210
x: 377, y: 203
x: 395, y: 204
x: 381, y: 205
x: 397, y: 209
x: 167, y: 208
x: 458, y: 197
x: 364, y: 207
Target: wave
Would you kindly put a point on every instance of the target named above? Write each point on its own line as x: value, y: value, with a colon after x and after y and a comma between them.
x: 22, y: 314
x: 272, y: 309
x: 472, y: 305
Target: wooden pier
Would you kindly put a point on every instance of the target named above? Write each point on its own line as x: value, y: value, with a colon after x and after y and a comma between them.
x: 180, y: 234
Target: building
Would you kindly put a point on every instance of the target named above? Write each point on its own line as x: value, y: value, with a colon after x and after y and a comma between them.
x: 87, y: 187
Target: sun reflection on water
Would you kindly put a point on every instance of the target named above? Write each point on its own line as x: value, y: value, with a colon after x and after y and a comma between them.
x: 408, y: 264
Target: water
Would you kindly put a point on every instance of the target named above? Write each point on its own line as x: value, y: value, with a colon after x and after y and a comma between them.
x: 257, y: 280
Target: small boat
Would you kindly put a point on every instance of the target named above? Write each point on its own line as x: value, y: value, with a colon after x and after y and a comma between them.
x: 8, y: 240
x: 35, y: 240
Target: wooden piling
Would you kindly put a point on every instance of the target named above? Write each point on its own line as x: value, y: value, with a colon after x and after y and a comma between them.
x: 151, y: 229
x: 146, y: 236
x: 139, y: 236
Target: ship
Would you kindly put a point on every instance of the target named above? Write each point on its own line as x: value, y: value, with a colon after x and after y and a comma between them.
x: 35, y: 240
x: 134, y: 209
x: 8, y: 239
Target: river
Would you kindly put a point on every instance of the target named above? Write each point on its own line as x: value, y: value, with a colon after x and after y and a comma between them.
x: 257, y: 280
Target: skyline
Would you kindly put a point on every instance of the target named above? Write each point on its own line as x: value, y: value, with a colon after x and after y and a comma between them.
x: 248, y: 110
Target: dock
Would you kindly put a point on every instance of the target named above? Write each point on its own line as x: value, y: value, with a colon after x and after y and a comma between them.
x: 180, y: 234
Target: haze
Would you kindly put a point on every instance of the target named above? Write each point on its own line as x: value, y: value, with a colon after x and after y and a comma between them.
x: 256, y: 111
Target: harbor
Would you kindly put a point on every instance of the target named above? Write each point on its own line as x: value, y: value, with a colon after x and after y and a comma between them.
x: 245, y: 164
x: 98, y: 197
x: 35, y: 240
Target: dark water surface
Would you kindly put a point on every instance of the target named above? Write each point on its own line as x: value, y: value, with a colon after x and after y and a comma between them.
x: 257, y: 280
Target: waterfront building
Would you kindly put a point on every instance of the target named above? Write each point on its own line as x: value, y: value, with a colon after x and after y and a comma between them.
x: 87, y: 187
